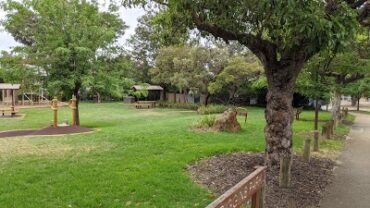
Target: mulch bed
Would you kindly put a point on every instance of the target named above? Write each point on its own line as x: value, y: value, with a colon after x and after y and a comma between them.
x: 220, y: 173
x: 49, y: 131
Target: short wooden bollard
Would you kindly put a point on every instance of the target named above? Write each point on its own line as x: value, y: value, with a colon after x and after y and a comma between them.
x: 251, y: 188
x: 345, y: 111
x: 73, y: 106
x: 307, y: 150
x: 54, y: 107
x: 328, y: 129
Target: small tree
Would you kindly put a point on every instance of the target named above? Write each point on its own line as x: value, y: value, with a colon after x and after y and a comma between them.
x: 343, y: 69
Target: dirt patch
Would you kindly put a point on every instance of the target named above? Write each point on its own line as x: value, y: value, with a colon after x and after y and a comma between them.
x: 46, y: 131
x: 309, y: 180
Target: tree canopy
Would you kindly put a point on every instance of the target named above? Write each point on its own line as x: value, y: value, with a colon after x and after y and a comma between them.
x: 63, y: 37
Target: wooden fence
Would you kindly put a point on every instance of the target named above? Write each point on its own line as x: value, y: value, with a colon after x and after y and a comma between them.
x: 248, y: 191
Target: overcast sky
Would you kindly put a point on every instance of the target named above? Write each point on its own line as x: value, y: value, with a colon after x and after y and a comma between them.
x: 128, y: 15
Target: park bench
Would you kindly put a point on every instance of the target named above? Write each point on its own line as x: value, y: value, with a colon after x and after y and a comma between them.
x: 248, y: 191
x: 13, y: 112
x: 145, y: 104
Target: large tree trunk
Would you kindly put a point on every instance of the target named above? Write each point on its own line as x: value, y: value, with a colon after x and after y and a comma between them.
x: 335, y: 111
x: 279, y: 118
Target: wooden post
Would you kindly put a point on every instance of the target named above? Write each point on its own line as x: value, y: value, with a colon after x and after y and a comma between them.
x: 73, y: 106
x: 307, y: 150
x: 331, y: 127
x: 326, y: 131
x: 316, y: 143
x: 258, y: 198
x: 13, y: 103
x: 285, y: 167
x: 54, y: 107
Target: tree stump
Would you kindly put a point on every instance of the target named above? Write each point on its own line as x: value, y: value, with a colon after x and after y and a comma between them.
x: 227, y: 122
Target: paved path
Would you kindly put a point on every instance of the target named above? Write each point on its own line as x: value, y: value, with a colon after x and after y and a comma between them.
x: 351, y: 186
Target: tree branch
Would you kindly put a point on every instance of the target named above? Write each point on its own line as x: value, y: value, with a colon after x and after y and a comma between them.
x: 264, y: 49
x: 353, y: 78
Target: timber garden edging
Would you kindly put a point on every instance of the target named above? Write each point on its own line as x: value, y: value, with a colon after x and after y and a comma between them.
x: 251, y: 188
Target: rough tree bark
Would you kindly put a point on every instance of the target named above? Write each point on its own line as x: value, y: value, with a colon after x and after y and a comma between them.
x: 280, y: 117
x: 335, y: 111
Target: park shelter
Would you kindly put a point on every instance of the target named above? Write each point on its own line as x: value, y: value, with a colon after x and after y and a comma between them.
x: 8, y: 93
x: 156, y: 92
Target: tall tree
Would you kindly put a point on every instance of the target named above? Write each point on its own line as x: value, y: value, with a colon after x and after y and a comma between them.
x: 238, y: 72
x: 343, y: 69
x: 154, y: 31
x: 13, y: 69
x: 183, y: 67
x: 283, y: 35
x: 63, y: 36
x: 111, y: 76
x: 358, y: 90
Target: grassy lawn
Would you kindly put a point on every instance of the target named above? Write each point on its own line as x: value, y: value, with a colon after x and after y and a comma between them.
x: 136, y: 159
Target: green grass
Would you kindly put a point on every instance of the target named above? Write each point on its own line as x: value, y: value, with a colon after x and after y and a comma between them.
x: 137, y: 159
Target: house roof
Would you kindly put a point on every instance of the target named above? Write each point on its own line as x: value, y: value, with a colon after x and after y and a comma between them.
x: 6, y: 86
x: 150, y: 87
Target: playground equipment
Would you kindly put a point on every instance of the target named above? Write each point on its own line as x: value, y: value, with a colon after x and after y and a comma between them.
x: 73, y: 106
x: 8, y: 97
x: 54, y: 107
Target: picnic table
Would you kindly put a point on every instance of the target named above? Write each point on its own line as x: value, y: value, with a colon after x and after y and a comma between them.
x: 145, y: 104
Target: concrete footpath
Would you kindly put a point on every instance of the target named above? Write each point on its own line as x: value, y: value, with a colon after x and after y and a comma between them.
x: 351, y: 185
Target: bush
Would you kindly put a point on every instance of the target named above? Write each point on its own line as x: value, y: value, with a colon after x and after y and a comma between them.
x: 211, y: 109
x: 206, y: 122
x: 188, y: 106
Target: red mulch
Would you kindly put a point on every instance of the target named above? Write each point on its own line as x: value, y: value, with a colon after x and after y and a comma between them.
x: 309, y: 180
x: 49, y: 131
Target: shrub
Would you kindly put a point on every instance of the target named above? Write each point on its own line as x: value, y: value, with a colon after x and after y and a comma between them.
x: 206, y: 122
x: 189, y: 106
x: 211, y: 109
